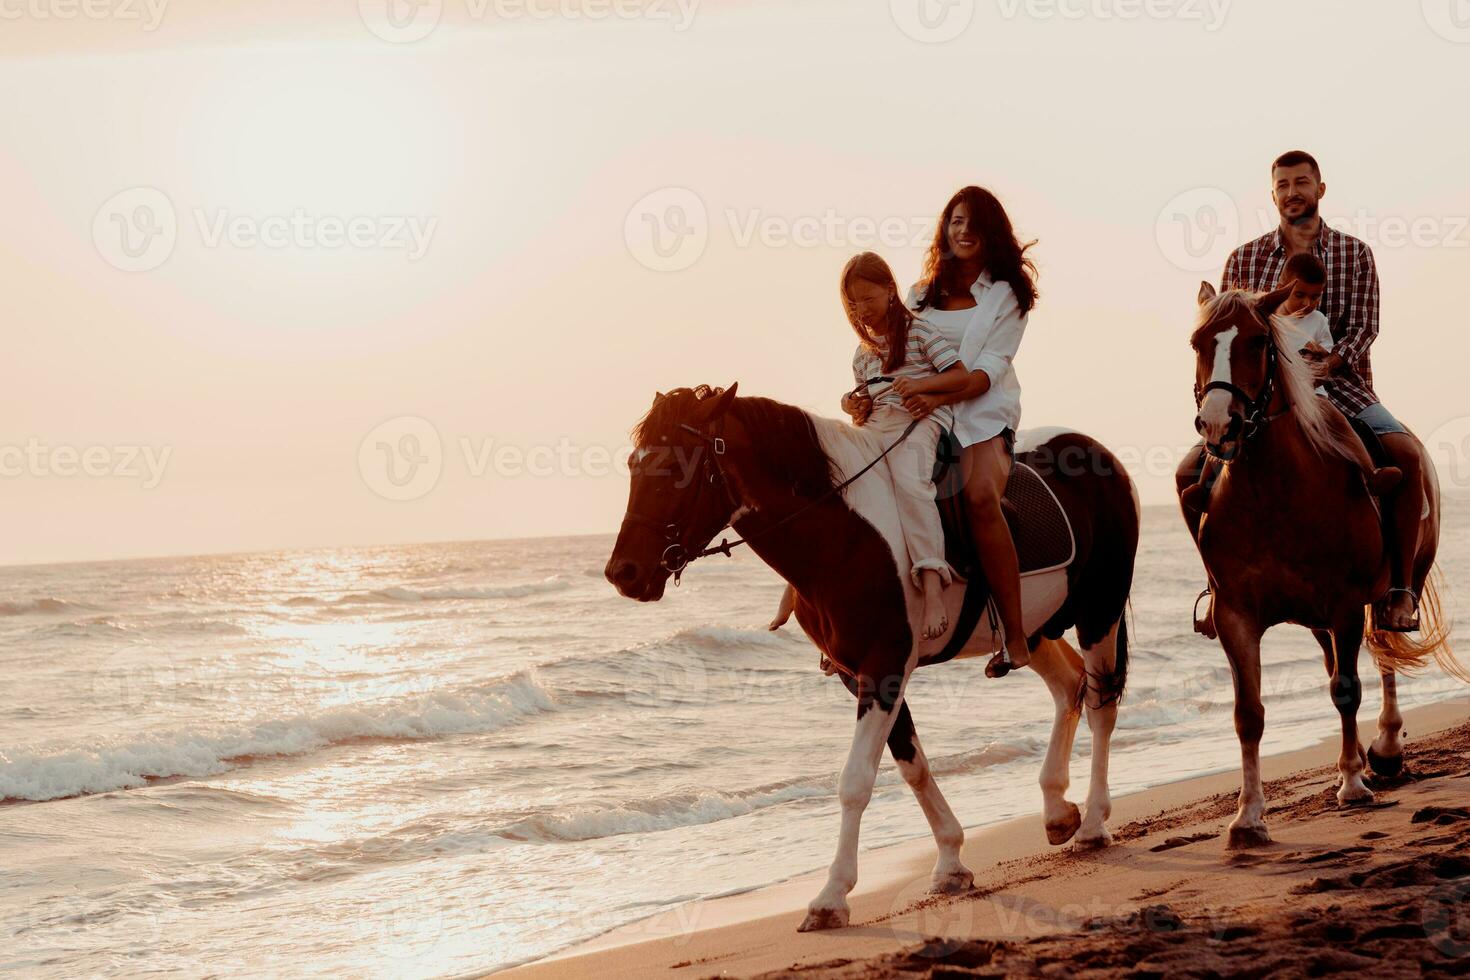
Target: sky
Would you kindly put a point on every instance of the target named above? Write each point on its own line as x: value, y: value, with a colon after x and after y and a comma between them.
x: 294, y: 275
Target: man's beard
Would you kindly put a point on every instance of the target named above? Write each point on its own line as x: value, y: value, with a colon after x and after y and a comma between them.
x: 1305, y: 217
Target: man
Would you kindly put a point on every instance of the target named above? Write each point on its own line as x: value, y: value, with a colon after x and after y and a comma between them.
x: 1350, y: 303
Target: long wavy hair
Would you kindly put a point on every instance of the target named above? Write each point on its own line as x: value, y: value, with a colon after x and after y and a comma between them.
x: 1003, y: 254
x: 892, y: 347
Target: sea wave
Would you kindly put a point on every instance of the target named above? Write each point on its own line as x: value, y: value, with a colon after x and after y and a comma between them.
x: 400, y: 594
x: 693, y: 808
x: 49, y: 606
x: 53, y: 775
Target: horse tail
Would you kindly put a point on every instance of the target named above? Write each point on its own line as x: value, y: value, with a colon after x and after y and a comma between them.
x: 1118, y: 680
x: 1404, y: 653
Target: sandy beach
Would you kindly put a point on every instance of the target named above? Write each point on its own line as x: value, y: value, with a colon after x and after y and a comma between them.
x: 1383, y: 889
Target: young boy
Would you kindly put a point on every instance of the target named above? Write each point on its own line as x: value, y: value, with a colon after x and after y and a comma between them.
x: 1307, y: 277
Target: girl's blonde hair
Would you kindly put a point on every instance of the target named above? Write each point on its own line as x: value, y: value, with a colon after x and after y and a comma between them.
x: 869, y: 267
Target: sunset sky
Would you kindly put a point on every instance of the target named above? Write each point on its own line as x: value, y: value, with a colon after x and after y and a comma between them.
x: 254, y: 253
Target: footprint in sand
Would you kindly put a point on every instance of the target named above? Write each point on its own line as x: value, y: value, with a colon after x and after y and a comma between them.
x: 1174, y: 842
x: 1440, y: 816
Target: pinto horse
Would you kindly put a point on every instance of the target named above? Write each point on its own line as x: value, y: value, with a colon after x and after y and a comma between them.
x: 1292, y: 535
x: 761, y: 466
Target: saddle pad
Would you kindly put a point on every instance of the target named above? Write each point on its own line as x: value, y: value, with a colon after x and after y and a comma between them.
x: 1039, y: 526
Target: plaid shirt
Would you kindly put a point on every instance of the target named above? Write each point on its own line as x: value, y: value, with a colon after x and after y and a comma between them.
x: 1350, y: 302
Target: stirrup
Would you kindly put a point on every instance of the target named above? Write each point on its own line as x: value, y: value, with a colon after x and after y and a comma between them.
x: 1380, y: 611
x: 1205, y: 626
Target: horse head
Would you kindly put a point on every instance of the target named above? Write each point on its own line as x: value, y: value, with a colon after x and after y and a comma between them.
x: 678, y: 499
x: 1233, y: 347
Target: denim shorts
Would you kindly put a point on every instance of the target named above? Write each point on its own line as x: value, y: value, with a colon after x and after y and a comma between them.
x: 1381, y: 420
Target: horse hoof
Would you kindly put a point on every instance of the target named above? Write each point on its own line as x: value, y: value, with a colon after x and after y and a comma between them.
x: 1094, y: 842
x: 1061, y: 831
x: 1387, y: 766
x: 818, y: 920
x: 954, y: 883
x: 1246, y: 837
x: 1355, y: 797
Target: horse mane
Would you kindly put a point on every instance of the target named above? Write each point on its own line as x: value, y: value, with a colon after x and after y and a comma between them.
x: 1313, y: 413
x: 795, y: 455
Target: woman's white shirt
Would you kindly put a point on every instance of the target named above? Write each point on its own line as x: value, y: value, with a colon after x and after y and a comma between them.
x: 987, y: 337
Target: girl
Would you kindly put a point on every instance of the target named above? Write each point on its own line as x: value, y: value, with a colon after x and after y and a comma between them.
x: 977, y: 291
x: 896, y: 349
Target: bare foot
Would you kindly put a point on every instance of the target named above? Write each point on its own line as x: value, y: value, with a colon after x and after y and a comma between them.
x: 1383, y: 480
x: 936, y: 620
x: 1399, y: 612
x: 778, y: 622
x: 1008, y: 660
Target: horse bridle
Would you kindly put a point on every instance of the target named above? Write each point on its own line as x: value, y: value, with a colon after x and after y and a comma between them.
x: 676, y: 555
x: 1246, y: 427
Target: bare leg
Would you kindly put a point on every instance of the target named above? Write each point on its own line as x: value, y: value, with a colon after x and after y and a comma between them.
x: 1242, y: 641
x: 829, y: 910
x: 1102, y: 717
x: 1406, y: 509
x: 1061, y: 668
x: 987, y: 468
x: 783, y: 612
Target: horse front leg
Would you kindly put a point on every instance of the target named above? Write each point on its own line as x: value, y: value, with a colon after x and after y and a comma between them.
x: 1347, y: 696
x: 1240, y: 635
x: 1061, y: 668
x: 876, y: 711
x: 1103, y: 689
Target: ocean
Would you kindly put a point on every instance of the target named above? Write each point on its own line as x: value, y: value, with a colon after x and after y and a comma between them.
x: 436, y: 760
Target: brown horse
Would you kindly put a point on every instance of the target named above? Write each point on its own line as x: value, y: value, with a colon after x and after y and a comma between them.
x: 1292, y: 535
x: 769, y: 471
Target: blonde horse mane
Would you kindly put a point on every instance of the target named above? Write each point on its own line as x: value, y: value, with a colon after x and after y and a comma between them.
x: 1313, y: 413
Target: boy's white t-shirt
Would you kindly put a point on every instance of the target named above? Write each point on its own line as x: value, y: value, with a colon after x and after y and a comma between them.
x: 1312, y: 328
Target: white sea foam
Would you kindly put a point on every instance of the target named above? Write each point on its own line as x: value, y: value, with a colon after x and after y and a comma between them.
x: 103, y: 768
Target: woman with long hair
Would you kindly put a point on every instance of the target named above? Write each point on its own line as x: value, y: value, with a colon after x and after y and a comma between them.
x: 977, y: 290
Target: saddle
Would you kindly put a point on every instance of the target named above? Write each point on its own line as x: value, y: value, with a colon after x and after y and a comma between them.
x: 1039, y: 527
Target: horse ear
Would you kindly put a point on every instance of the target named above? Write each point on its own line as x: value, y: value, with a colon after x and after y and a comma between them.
x: 1268, y: 304
x: 721, y: 403
x: 658, y: 396
x: 1206, y: 293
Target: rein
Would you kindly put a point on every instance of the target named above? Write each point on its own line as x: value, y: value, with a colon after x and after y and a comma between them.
x: 676, y: 556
